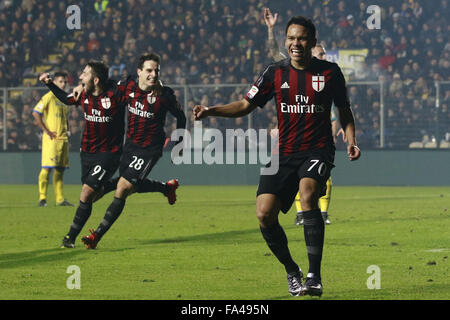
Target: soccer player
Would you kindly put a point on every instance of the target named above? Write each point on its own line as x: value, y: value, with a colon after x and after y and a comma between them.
x: 304, y: 88
x: 148, y: 102
x: 102, y: 139
x: 51, y: 116
x: 319, y: 52
x: 102, y: 142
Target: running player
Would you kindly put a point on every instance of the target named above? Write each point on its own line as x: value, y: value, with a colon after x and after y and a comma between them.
x: 102, y: 141
x: 319, y: 52
x: 101, y: 144
x: 148, y: 102
x: 304, y: 88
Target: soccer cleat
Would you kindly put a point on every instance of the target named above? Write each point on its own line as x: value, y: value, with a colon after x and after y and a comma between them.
x: 91, y: 240
x: 67, y: 243
x: 171, y: 195
x: 65, y: 203
x: 295, y: 283
x: 325, y: 217
x: 42, y: 203
x: 313, y: 287
x: 299, y: 219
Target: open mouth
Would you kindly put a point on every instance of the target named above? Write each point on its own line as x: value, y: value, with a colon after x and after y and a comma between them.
x: 296, y: 53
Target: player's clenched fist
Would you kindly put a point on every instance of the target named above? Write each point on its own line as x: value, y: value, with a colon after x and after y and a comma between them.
x: 76, y: 91
x: 45, y: 78
x: 353, y: 152
x: 200, y: 112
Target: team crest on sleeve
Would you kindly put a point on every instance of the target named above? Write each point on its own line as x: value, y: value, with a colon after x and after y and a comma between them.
x: 151, y: 99
x: 318, y: 83
x: 254, y: 90
x: 106, y: 103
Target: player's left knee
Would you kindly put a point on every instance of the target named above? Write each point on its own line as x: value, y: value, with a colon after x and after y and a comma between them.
x: 124, y: 189
x: 309, y: 198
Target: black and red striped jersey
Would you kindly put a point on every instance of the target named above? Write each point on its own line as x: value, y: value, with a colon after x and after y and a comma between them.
x: 303, y: 101
x: 104, y: 117
x: 147, y: 114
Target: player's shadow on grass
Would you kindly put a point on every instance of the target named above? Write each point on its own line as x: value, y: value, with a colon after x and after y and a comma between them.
x: 218, y: 237
x: 25, y: 258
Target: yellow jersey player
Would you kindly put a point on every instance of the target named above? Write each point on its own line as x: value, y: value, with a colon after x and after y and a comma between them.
x: 319, y: 52
x: 51, y: 116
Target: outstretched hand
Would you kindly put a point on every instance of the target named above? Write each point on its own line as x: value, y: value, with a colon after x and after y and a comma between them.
x: 200, y: 112
x: 270, y: 19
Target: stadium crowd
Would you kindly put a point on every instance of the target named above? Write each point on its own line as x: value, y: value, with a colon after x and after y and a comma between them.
x: 211, y: 42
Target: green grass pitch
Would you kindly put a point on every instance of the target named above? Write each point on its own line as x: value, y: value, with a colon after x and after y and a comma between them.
x: 208, y: 246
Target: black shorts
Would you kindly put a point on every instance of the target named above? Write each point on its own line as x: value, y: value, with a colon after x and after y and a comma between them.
x: 96, y: 168
x: 136, y: 163
x: 292, y: 168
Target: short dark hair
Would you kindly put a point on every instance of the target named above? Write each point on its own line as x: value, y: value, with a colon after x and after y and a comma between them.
x: 60, y: 74
x: 99, y: 70
x: 305, y: 22
x: 148, y: 56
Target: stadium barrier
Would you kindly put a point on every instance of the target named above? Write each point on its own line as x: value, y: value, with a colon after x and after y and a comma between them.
x: 375, y: 168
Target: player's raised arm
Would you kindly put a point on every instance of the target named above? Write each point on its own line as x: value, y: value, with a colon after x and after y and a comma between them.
x: 270, y: 21
x: 64, y: 97
x: 234, y: 109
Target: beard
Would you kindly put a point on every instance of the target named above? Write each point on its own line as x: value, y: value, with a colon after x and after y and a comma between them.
x: 89, y: 86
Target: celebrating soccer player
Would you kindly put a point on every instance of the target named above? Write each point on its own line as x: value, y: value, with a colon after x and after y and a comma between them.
x: 102, y: 140
x: 319, y: 52
x: 304, y: 88
x: 148, y: 102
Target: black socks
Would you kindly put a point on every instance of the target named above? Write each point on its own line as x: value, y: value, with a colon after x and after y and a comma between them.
x: 314, y: 230
x: 81, y: 216
x: 278, y: 244
x: 112, y: 213
x: 152, y: 186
